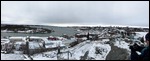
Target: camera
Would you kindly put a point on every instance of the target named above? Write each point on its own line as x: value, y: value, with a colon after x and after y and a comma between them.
x: 136, y: 46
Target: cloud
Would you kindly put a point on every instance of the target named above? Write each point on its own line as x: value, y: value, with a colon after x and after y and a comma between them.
x: 134, y: 13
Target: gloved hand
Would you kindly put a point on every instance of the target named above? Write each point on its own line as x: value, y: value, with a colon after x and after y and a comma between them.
x: 132, y: 49
x: 136, y: 47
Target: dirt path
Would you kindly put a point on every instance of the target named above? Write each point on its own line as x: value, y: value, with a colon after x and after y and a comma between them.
x: 117, y: 53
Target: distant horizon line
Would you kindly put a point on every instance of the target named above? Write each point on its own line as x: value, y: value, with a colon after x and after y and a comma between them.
x: 75, y: 25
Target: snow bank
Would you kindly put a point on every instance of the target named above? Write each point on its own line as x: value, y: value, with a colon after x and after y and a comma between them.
x: 104, y: 48
x: 6, y: 31
x: 80, y: 51
x: 105, y: 40
x: 34, y: 45
x: 52, y: 55
x: 140, y: 34
x: 52, y: 44
x: 12, y: 57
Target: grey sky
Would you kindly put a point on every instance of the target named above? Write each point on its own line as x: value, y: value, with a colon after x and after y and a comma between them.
x: 133, y: 13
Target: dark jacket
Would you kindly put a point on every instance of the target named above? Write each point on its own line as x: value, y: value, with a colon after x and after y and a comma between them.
x: 145, y: 54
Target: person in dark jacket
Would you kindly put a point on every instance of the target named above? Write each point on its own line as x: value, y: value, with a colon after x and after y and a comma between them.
x: 144, y: 51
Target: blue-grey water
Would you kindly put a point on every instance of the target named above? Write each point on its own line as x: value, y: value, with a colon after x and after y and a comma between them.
x: 59, y: 31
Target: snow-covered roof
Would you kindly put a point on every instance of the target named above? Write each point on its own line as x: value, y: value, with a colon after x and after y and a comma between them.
x: 141, y: 34
x: 16, y: 37
x: 54, y: 44
x: 35, y: 37
x: 4, y: 39
x: 122, y: 30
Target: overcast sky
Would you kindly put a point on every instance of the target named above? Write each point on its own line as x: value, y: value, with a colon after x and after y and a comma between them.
x: 132, y: 13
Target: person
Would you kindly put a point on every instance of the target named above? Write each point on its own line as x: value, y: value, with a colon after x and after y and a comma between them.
x: 144, y: 51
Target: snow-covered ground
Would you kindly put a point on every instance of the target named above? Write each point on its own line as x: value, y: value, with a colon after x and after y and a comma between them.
x: 12, y: 57
x: 105, y: 50
x: 78, y: 51
x: 122, y: 44
x: 67, y: 42
x: 140, y: 34
x: 51, y: 55
x: 6, y: 31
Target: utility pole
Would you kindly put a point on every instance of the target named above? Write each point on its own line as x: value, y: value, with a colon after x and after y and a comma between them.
x: 88, y: 36
x: 43, y: 49
x: 27, y: 45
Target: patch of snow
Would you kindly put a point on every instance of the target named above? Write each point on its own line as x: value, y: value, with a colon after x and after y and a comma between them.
x: 84, y: 38
x: 34, y: 45
x: 21, y: 31
x: 122, y: 44
x: 105, y: 40
x: 54, y: 44
x: 18, y: 52
x: 83, y: 47
x: 140, y: 34
x: 5, y: 41
x: 51, y: 55
x: 12, y: 57
x: 6, y: 31
x: 61, y: 38
x: 105, y: 49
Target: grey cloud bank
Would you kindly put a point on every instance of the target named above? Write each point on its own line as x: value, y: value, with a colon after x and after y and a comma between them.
x: 132, y: 13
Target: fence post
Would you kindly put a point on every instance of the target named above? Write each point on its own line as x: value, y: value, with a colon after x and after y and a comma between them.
x: 68, y: 55
x: 27, y: 45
